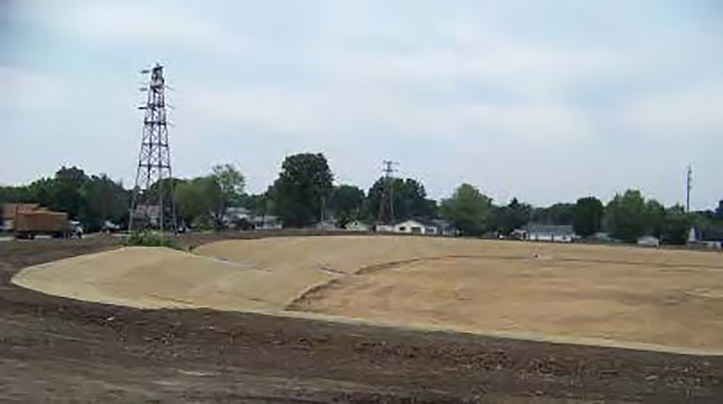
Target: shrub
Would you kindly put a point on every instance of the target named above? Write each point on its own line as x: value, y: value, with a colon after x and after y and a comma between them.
x: 146, y: 238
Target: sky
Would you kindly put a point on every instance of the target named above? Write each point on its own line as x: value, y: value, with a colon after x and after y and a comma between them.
x: 546, y: 101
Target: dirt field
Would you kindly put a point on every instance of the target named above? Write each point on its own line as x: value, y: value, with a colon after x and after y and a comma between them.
x: 54, y: 349
x: 629, y: 295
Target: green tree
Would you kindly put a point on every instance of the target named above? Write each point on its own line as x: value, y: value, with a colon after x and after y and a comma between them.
x: 67, y: 190
x: 226, y: 193
x: 257, y: 204
x: 588, y: 215
x: 409, y: 199
x: 346, y: 203
x: 231, y: 182
x: 105, y: 200
x: 16, y: 194
x: 513, y: 216
x: 468, y: 209
x: 627, y: 216
x: 655, y: 217
x: 304, y: 184
x: 194, y: 200
x: 676, y: 226
x: 558, y: 214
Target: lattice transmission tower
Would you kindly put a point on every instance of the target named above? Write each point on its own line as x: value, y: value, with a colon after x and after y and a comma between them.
x: 386, y: 205
x: 688, y: 187
x: 152, y: 206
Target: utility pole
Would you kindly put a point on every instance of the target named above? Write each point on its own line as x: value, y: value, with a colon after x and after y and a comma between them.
x: 689, y: 187
x: 387, y: 201
x: 154, y: 161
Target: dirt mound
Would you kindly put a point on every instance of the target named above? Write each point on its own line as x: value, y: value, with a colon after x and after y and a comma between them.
x: 148, y: 277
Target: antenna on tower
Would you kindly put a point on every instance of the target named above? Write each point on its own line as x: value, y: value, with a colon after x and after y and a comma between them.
x: 387, y: 201
x: 152, y: 205
x: 689, y: 187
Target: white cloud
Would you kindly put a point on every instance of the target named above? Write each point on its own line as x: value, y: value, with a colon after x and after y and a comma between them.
x: 28, y: 90
x: 138, y: 23
x: 690, y: 112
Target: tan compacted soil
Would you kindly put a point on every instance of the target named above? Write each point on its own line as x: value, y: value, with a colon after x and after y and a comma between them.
x: 630, y: 294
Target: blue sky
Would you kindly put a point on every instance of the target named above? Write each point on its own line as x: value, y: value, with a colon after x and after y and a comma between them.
x: 547, y: 101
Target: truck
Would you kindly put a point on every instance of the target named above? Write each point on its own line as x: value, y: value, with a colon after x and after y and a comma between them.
x: 29, y: 224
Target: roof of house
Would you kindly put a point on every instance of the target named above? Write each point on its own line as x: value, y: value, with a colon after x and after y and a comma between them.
x: 555, y: 230
x: 440, y: 223
x: 443, y: 224
x: 9, y: 209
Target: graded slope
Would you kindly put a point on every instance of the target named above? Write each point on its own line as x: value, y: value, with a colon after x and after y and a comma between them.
x: 155, y: 277
x: 653, y: 296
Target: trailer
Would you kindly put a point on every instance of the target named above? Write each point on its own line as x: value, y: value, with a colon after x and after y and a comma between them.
x: 29, y: 224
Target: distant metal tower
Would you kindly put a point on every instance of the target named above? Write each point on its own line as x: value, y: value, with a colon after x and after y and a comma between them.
x: 688, y: 187
x: 387, y: 201
x: 154, y: 183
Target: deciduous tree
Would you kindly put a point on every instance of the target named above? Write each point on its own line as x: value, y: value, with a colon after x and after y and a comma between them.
x: 304, y: 184
x: 588, y: 215
x: 468, y: 209
x: 627, y: 217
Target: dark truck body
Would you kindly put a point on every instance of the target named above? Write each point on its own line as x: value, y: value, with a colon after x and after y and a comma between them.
x: 29, y: 224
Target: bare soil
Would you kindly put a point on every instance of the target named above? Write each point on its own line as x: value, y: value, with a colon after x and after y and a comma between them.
x: 56, y: 349
x: 558, y: 292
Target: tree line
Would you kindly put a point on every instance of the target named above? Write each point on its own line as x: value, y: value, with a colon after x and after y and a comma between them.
x: 304, y: 193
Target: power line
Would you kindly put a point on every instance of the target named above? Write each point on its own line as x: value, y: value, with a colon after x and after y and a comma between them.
x: 387, y: 200
x: 149, y: 209
x: 689, y: 187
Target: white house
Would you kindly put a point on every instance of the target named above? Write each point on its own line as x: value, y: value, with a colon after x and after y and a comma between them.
x: 414, y: 227
x: 420, y: 226
x: 233, y: 215
x: 267, y: 222
x: 385, y: 228
x: 546, y: 232
x: 649, y: 241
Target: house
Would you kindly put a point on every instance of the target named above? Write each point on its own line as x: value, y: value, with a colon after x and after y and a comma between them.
x: 266, y: 222
x: 384, y: 228
x: 233, y: 215
x: 444, y: 227
x: 603, y: 237
x: 649, y: 241
x: 419, y: 226
x: 356, y: 225
x: 326, y: 225
x: 414, y: 227
x: 9, y: 210
x: 711, y: 237
x: 549, y: 232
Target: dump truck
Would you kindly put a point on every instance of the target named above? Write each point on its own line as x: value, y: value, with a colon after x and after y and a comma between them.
x: 29, y: 224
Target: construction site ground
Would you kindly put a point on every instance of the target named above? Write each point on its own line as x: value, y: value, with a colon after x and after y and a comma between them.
x: 55, y: 349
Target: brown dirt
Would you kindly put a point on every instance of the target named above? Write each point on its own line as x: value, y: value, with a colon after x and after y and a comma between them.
x: 622, y: 294
x: 63, y: 350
